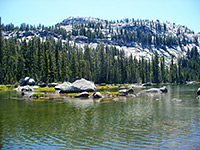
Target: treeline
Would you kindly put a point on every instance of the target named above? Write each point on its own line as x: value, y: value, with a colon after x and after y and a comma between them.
x: 53, y: 61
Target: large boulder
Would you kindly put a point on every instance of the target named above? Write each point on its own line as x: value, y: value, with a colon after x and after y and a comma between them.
x: 83, y: 95
x: 97, y: 95
x: 52, y: 84
x: 24, y: 89
x: 154, y: 91
x: 26, y: 81
x: 84, y: 85
x: 78, y: 86
x: 147, y: 84
x: 198, y: 91
x: 41, y: 84
x: 136, y: 86
x: 130, y: 90
x: 190, y: 82
x: 123, y: 92
x: 163, y: 89
x: 64, y: 86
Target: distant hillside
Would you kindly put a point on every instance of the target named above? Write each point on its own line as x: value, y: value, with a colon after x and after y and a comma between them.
x: 141, y: 38
x: 125, y: 51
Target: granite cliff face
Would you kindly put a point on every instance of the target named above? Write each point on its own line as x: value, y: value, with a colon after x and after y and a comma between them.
x: 141, y: 38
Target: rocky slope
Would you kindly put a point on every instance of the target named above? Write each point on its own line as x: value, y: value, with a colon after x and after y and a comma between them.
x: 141, y: 38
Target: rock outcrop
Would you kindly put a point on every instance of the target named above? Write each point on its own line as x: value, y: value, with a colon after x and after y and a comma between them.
x: 26, y: 81
x: 62, y: 86
x: 78, y: 86
x: 52, y: 84
x: 125, y: 92
x: 24, y: 89
x: 130, y: 90
x: 83, y: 95
x: 163, y: 89
x: 131, y: 47
x: 153, y: 91
x: 147, y: 84
x: 97, y: 95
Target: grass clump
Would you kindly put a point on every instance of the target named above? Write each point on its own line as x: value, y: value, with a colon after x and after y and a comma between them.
x: 38, y: 95
x: 7, y: 87
x: 108, y: 86
x: 38, y: 100
x: 45, y: 89
x: 3, y: 87
x: 109, y: 93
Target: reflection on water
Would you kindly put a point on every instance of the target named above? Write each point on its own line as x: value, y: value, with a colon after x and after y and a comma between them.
x: 135, y: 123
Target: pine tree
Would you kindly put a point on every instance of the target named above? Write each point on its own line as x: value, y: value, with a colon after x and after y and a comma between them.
x: 45, y: 64
x: 102, y: 77
x: 57, y: 58
x: 74, y: 66
x: 162, y: 70
x: 65, y: 71
x: 88, y: 60
x: 172, y: 71
x: 2, y: 55
x: 155, y: 68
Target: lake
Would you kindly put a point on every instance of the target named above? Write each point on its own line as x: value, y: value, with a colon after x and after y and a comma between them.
x: 146, y: 122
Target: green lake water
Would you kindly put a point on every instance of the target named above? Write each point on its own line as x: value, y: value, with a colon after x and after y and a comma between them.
x: 145, y: 122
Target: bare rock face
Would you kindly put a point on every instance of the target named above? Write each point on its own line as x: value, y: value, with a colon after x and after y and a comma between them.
x: 78, y: 86
x: 63, y: 86
x: 84, y: 85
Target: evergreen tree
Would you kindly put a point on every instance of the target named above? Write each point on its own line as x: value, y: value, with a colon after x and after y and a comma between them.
x: 45, y: 64
x: 65, y: 71
x: 74, y: 67
x: 172, y: 71
x: 2, y: 55
x: 88, y: 61
x: 57, y: 58
x: 102, y: 74
x: 155, y: 68
x: 162, y: 70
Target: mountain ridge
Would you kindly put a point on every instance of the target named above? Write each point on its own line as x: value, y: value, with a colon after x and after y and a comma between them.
x: 141, y: 38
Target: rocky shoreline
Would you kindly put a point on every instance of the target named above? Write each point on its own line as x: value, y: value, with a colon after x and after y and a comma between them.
x: 84, y: 89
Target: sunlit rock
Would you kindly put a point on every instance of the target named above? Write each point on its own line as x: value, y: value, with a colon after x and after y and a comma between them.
x: 26, y: 81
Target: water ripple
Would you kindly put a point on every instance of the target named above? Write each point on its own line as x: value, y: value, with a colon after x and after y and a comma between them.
x: 139, y: 123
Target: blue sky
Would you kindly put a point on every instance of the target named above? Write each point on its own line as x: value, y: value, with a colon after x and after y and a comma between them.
x: 50, y: 12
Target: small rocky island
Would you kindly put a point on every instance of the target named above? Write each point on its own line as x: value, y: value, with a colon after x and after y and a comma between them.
x: 82, y: 88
